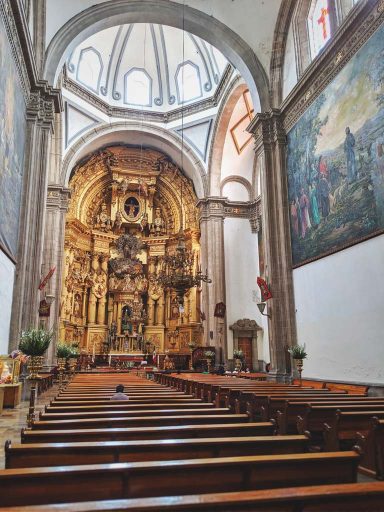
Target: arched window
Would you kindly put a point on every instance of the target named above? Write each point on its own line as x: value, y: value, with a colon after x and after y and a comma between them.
x: 90, y: 68
x: 188, y: 83
x: 319, y: 26
x: 138, y: 88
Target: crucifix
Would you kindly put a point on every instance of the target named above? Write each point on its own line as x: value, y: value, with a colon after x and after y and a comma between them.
x: 322, y: 21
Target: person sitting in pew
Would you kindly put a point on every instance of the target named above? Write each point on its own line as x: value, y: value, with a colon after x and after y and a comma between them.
x: 119, y: 395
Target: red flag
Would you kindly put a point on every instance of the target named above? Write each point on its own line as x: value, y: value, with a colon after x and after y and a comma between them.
x: 265, y: 291
x: 46, y: 278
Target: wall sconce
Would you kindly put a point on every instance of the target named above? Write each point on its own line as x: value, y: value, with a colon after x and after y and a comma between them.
x: 261, y: 307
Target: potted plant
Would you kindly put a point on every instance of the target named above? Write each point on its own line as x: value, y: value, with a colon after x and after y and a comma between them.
x: 238, y: 356
x: 298, y: 353
x: 33, y: 343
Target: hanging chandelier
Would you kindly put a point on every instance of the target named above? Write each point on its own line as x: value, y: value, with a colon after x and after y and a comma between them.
x: 177, y: 271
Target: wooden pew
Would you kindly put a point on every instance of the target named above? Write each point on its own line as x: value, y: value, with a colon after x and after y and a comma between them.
x: 286, y: 418
x: 138, y: 401
x: 48, y: 454
x: 343, y: 428
x: 371, y: 446
x: 317, y: 415
x: 164, y: 478
x: 126, y: 413
x: 140, y: 421
x: 165, y: 432
x: 355, y: 497
x: 129, y: 406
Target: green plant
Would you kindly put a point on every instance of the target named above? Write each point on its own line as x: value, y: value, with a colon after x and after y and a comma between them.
x: 34, y: 342
x: 74, y: 349
x: 209, y: 354
x: 238, y: 354
x: 63, y: 351
x: 298, y: 352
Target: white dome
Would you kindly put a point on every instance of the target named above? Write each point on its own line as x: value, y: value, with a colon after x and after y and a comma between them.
x: 146, y: 66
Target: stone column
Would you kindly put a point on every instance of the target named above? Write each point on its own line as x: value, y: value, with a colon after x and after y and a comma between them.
x: 53, y: 254
x: 212, y: 260
x: 270, y: 147
x: 39, y: 127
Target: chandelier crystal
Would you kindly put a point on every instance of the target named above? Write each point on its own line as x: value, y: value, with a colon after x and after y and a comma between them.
x: 177, y: 271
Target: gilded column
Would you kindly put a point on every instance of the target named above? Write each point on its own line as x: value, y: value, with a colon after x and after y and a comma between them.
x: 270, y: 147
x: 151, y: 311
x: 119, y: 310
x: 101, y: 310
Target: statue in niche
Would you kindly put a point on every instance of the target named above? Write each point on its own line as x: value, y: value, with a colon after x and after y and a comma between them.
x: 158, y: 225
x: 103, y: 220
x: 118, y: 221
x: 77, y: 306
x: 125, y: 320
x: 132, y: 207
x: 123, y: 186
x: 129, y: 246
x: 144, y: 225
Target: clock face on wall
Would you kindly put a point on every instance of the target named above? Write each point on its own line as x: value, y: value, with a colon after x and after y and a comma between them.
x: 132, y: 208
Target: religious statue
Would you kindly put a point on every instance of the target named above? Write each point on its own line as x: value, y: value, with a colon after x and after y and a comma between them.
x: 103, y: 220
x: 144, y: 225
x: 118, y: 221
x: 158, y: 225
x: 349, y: 149
x: 77, y: 306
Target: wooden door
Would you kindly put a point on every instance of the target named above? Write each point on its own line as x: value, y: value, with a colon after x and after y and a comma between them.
x: 245, y: 344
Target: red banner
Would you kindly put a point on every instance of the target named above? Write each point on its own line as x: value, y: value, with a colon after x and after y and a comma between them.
x: 265, y: 291
x: 46, y: 278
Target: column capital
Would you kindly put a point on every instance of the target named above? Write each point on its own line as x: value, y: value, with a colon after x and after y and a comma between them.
x: 58, y: 197
x: 41, y: 108
x: 267, y: 128
x: 211, y: 207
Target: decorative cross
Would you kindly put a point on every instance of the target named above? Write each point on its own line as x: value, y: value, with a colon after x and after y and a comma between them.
x: 322, y: 21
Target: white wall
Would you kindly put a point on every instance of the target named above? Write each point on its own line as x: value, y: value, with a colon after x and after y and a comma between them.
x: 241, y: 271
x: 340, y: 315
x: 289, y: 71
x: 7, y: 271
x: 235, y: 191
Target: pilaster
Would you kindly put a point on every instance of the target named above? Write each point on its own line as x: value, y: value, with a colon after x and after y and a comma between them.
x: 270, y: 147
x: 212, y: 213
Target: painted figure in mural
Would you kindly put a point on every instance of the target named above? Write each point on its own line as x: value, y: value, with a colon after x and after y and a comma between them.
x: 314, y: 206
x: 379, y: 155
x: 304, y: 208
x: 349, y: 150
x: 324, y: 190
x: 323, y: 169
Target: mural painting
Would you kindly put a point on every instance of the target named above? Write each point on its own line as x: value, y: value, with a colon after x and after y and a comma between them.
x: 336, y: 160
x: 12, y: 137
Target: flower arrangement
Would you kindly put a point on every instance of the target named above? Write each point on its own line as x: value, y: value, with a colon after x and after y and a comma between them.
x: 19, y: 356
x: 74, y: 348
x: 298, y: 352
x: 238, y: 354
x: 209, y: 354
x: 192, y: 345
x: 34, y: 342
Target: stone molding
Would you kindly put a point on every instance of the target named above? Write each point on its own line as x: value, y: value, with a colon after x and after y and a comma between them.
x: 245, y: 325
x: 58, y: 197
x: 350, y: 37
x: 267, y: 129
x: 12, y: 14
x: 221, y: 207
x: 160, y: 117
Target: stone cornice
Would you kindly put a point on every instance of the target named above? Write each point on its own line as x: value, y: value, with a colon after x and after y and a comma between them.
x: 350, y: 37
x: 17, y: 30
x: 221, y: 207
x: 161, y: 117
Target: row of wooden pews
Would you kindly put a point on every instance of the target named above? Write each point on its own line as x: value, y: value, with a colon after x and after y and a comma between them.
x: 168, y: 447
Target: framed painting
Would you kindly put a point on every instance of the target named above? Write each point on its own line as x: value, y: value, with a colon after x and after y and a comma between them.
x: 335, y: 160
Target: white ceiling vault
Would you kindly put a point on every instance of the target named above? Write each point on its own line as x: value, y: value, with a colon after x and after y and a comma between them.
x: 147, y: 66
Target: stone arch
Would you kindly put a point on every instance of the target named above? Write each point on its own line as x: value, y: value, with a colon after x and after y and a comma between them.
x: 108, y: 14
x: 223, y: 118
x: 136, y: 133
x: 280, y: 35
x: 238, y: 179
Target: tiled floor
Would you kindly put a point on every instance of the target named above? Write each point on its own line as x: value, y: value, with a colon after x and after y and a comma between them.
x: 13, y: 420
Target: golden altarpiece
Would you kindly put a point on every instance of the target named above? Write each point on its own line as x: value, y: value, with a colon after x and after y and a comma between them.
x: 123, y: 218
